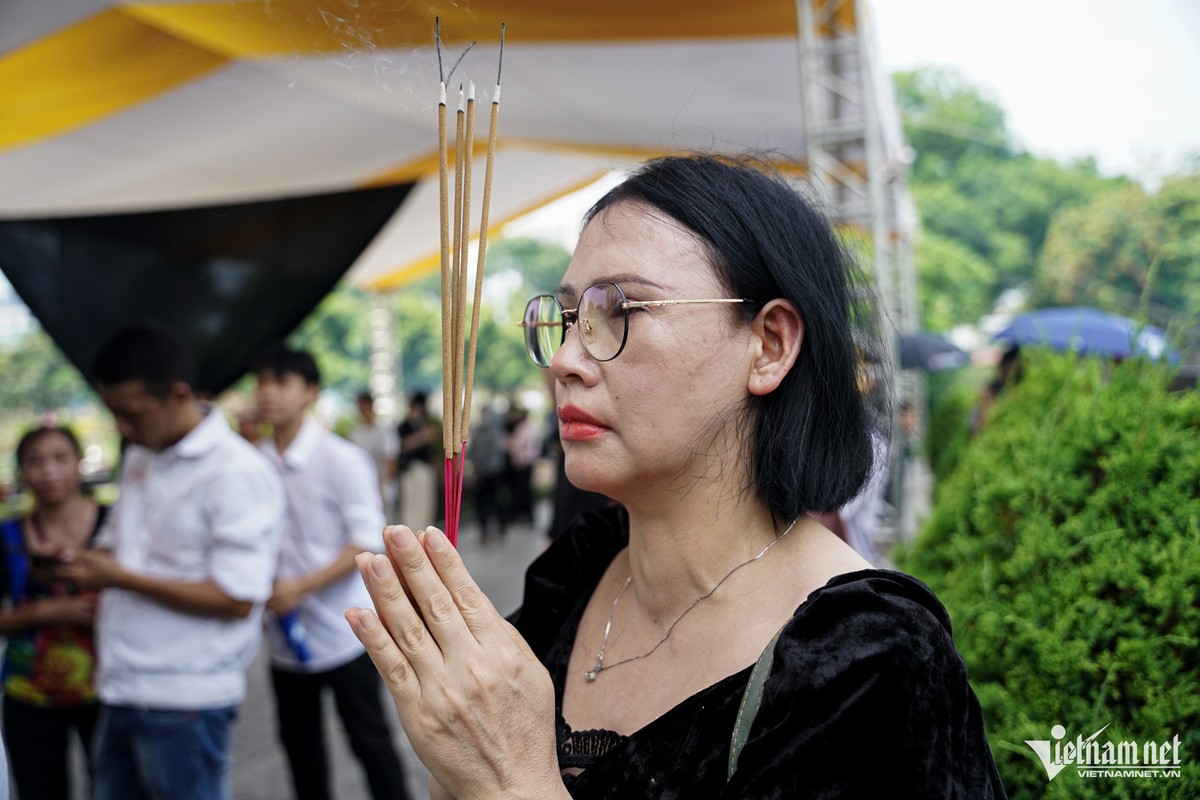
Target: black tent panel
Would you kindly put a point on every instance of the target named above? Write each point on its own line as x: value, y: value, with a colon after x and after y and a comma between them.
x: 228, y: 278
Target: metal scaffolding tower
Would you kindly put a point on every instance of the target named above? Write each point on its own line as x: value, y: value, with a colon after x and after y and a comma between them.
x: 855, y: 149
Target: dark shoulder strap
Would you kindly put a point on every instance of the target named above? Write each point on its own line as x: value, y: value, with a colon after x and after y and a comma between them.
x: 751, y: 700
x: 101, y: 516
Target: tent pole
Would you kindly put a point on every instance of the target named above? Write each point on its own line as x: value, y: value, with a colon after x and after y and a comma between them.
x: 386, y: 381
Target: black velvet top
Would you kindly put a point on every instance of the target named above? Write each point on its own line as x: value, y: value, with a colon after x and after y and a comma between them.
x: 867, y: 696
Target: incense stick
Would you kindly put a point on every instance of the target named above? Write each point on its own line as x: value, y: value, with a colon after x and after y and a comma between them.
x: 443, y: 185
x: 458, y: 367
x: 464, y: 241
x: 461, y: 223
x: 483, y: 233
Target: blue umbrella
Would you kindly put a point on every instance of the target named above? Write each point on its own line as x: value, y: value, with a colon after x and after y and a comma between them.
x: 1086, y: 330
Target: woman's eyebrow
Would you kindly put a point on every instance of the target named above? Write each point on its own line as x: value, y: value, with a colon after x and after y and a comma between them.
x: 567, y: 290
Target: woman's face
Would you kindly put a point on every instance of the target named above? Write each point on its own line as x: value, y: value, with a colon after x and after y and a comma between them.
x: 50, y: 467
x: 662, y: 412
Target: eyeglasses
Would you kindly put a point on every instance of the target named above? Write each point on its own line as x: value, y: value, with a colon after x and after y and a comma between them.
x: 602, y: 317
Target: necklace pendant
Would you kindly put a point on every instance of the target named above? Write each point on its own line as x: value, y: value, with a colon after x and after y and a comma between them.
x: 594, y: 671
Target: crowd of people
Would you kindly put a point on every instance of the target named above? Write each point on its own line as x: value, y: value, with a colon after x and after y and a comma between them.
x: 215, y: 537
x: 696, y: 633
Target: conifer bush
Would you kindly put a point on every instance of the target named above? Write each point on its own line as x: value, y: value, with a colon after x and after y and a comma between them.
x: 1066, y: 547
x: 953, y: 396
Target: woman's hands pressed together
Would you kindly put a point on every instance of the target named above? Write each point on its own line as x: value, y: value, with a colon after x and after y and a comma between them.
x: 477, y: 705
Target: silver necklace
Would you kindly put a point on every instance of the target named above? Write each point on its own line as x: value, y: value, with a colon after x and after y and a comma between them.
x: 599, y: 666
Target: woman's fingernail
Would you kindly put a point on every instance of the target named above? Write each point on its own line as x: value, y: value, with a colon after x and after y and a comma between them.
x: 380, y: 566
x: 436, y: 540
x: 402, y: 537
x: 367, y: 620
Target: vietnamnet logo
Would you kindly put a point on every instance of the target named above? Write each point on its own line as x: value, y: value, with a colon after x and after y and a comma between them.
x: 1092, y: 759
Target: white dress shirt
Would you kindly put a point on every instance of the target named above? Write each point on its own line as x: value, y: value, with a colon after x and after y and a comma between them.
x: 332, y: 501
x: 209, y: 508
x: 381, y: 441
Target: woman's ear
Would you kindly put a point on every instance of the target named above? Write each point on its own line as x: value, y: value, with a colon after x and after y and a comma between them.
x: 778, y: 331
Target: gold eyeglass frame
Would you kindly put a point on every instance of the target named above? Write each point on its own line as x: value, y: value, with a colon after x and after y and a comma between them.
x: 570, y: 316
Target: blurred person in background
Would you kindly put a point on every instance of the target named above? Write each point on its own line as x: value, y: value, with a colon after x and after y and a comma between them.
x: 382, y: 444
x: 523, y: 446
x: 333, y: 512
x: 184, y: 563
x: 249, y: 425
x: 418, y: 479
x: 486, y: 450
x: 49, y: 659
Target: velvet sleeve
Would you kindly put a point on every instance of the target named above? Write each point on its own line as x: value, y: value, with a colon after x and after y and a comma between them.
x: 868, y: 697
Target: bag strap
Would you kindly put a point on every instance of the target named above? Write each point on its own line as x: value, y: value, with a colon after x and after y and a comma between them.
x: 751, y: 700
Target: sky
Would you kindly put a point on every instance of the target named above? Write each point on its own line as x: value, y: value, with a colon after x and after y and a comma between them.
x: 1113, y: 79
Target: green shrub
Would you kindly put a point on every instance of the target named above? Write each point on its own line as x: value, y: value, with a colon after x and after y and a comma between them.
x: 952, y: 397
x: 1066, y: 547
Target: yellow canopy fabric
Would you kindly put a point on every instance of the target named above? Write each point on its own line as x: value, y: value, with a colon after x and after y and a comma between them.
x: 110, y: 106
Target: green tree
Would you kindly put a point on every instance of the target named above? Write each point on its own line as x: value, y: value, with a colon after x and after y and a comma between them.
x: 337, y: 333
x: 956, y: 283
x: 540, y: 264
x: 985, y: 207
x: 338, y: 330
x: 37, y: 376
x: 1128, y: 251
x: 1177, y: 207
x: 416, y: 324
x: 947, y: 120
x: 502, y: 366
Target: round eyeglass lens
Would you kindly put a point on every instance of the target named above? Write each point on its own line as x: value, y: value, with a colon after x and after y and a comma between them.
x: 602, y: 321
x: 543, y: 328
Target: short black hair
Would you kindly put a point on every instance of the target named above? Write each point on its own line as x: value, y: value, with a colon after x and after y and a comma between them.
x: 31, y: 438
x: 809, y: 440
x: 419, y: 399
x: 282, y: 360
x: 147, y: 352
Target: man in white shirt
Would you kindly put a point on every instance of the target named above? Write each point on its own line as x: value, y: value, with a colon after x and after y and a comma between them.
x: 333, y: 513
x: 186, y: 561
x: 382, y: 444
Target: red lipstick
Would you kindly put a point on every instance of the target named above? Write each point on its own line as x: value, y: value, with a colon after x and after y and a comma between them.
x: 576, y: 425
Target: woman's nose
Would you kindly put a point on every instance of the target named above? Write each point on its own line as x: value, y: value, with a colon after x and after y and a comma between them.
x: 571, y: 358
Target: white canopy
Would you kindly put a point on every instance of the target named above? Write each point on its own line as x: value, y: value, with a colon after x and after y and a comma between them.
x: 109, y: 106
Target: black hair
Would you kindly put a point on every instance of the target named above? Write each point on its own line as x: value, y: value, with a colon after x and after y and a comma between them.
x: 281, y: 360
x: 809, y: 440
x: 30, y: 438
x: 364, y: 396
x: 419, y: 399
x: 145, y: 352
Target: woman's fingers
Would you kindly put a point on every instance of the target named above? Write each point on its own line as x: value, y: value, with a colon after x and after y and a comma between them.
x: 474, y: 607
x: 433, y: 598
x: 400, y: 619
x: 385, y: 654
